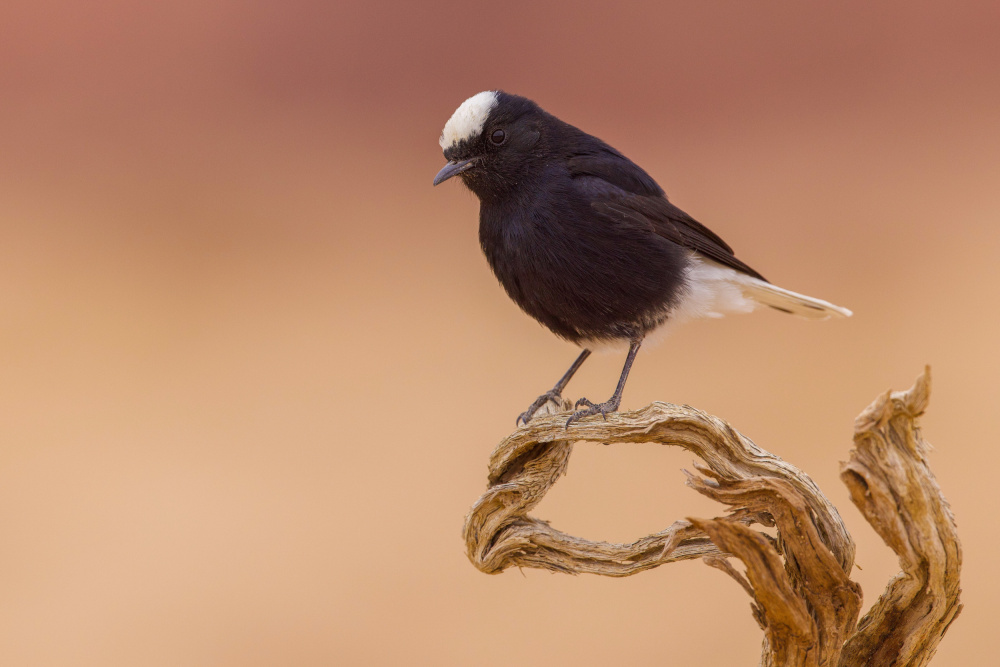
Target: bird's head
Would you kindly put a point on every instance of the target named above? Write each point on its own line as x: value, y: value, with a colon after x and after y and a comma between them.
x: 491, y: 141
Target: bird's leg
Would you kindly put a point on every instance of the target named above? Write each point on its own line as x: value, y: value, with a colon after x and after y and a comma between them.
x: 612, y: 403
x: 555, y: 393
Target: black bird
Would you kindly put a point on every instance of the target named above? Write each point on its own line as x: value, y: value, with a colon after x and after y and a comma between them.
x: 585, y: 241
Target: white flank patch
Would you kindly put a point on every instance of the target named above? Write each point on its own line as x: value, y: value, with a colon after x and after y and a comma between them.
x: 468, y: 120
x: 712, y: 291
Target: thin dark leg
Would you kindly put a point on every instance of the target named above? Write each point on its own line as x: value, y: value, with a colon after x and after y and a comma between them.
x: 555, y: 393
x: 612, y: 403
x: 571, y: 372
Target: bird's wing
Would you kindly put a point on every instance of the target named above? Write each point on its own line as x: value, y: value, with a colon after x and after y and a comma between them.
x: 666, y: 220
x: 621, y: 191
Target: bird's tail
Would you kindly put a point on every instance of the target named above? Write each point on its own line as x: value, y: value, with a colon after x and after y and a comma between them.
x: 788, y: 301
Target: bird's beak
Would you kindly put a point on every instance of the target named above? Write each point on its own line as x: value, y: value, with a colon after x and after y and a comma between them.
x: 453, y: 168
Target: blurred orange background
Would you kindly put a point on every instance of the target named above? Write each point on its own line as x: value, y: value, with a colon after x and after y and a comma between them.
x: 254, y: 364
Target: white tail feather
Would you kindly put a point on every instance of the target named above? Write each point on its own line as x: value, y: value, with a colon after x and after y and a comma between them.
x: 714, y: 289
x: 792, y: 302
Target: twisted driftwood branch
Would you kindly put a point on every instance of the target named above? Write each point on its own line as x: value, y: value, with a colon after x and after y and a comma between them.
x: 803, y: 597
x: 523, y: 467
x: 890, y: 482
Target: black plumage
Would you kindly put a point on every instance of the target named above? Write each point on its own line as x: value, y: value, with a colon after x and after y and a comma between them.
x: 584, y: 240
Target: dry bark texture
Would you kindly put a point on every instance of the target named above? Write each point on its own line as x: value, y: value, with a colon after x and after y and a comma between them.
x: 890, y: 482
x: 802, y: 595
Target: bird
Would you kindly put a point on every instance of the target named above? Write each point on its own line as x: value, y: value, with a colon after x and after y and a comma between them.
x: 586, y: 242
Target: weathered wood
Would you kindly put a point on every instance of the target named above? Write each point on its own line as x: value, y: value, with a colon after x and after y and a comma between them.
x: 890, y: 482
x: 805, y: 602
x: 500, y: 534
x: 803, y: 597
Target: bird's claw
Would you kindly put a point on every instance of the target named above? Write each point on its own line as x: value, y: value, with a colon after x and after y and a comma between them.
x: 526, y: 416
x: 602, y: 409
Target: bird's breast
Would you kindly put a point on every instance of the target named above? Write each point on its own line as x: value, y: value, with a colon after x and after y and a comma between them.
x: 576, y: 273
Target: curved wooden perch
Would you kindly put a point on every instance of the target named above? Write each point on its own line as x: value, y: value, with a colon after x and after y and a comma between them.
x: 803, y: 597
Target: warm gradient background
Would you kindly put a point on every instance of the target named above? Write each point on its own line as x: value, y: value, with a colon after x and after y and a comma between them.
x: 253, y: 365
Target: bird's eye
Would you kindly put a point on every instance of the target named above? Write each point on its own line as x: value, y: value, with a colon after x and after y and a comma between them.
x: 498, y: 137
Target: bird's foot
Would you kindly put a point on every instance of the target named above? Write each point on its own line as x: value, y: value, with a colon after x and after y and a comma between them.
x: 551, y: 395
x: 610, y: 405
